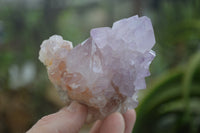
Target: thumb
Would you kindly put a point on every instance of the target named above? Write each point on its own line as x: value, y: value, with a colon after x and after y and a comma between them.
x: 67, y: 120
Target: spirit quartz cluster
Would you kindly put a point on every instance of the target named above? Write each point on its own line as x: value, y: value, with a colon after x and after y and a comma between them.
x: 105, y: 71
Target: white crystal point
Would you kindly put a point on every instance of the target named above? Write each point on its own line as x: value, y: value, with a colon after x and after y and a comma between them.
x: 49, y: 47
x: 105, y: 71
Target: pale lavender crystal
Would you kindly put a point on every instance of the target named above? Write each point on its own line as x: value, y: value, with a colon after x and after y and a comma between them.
x: 105, y: 71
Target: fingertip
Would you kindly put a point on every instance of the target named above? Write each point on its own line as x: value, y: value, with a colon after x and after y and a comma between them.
x: 76, y: 111
x: 68, y: 119
x: 73, y: 117
x: 130, y: 118
x: 113, y: 124
x: 117, y: 117
x: 131, y: 113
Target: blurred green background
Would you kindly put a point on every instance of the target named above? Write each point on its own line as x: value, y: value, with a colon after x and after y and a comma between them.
x: 170, y: 104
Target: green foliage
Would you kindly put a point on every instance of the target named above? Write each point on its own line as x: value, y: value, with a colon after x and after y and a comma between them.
x: 172, y: 104
x: 177, y: 28
x: 69, y: 26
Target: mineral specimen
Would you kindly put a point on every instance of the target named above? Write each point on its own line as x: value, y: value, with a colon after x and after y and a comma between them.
x: 105, y: 71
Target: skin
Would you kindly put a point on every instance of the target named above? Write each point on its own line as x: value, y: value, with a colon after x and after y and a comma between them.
x: 70, y: 120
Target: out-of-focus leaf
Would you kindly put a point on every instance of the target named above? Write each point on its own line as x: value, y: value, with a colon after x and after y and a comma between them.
x: 176, y: 94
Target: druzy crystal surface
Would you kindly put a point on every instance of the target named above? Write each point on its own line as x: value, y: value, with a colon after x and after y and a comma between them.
x: 105, y: 71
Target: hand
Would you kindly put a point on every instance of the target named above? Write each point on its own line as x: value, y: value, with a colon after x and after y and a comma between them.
x: 72, y: 118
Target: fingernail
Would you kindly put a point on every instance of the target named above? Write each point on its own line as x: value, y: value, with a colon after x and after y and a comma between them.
x: 73, y: 107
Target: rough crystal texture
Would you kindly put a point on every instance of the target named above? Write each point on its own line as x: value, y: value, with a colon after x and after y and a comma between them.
x: 106, y: 70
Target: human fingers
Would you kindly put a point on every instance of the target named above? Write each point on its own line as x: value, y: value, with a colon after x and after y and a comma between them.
x: 67, y: 120
x: 114, y: 123
x: 129, y: 117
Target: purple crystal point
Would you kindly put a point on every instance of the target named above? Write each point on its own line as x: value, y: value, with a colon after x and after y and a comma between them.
x: 105, y: 71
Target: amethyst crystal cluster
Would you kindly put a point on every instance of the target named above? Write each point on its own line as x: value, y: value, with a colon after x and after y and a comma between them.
x: 105, y: 71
